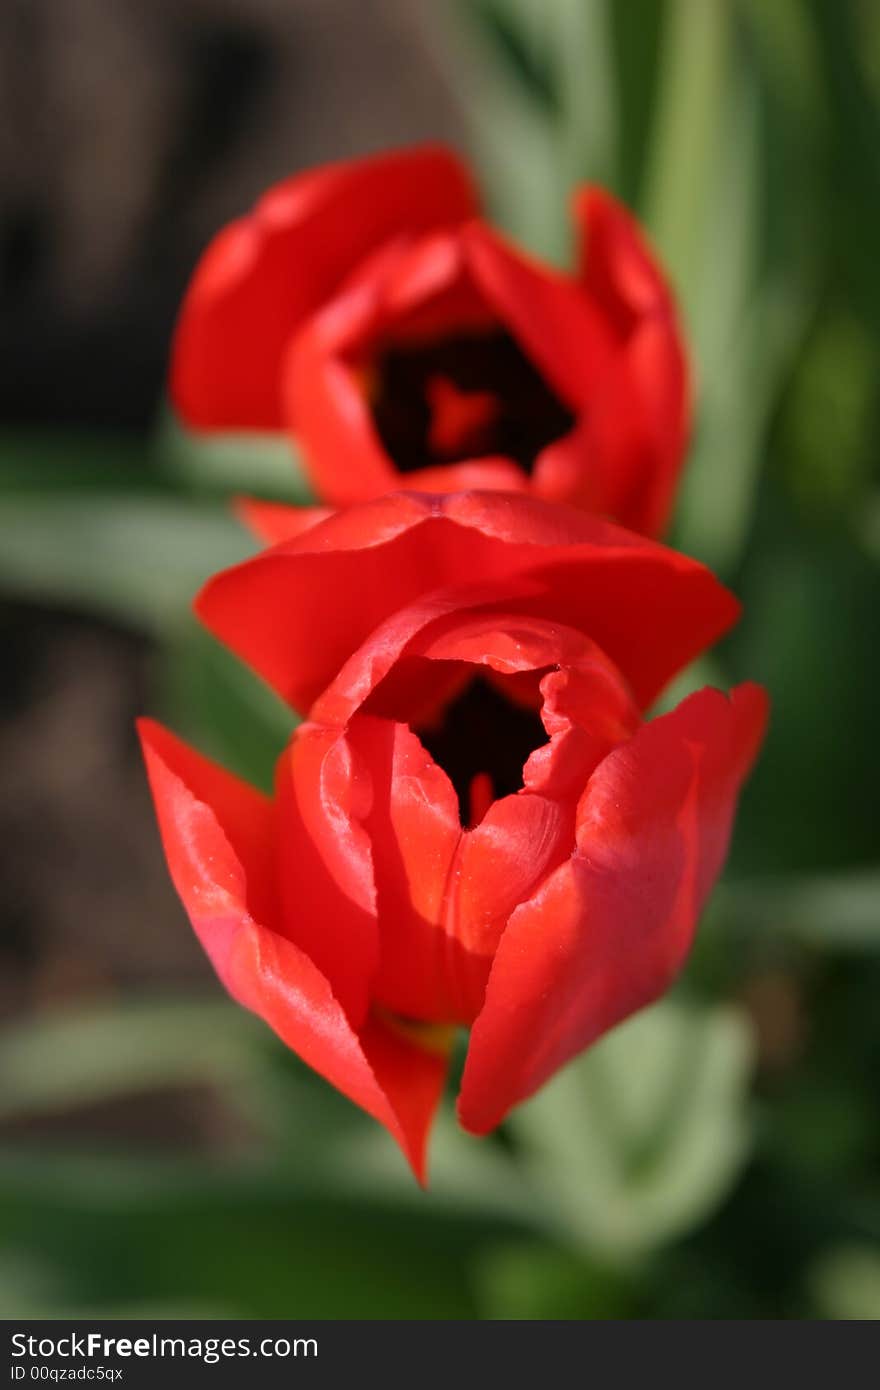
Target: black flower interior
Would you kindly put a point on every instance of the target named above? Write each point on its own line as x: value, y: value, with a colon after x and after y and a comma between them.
x: 482, y: 731
x: 466, y: 396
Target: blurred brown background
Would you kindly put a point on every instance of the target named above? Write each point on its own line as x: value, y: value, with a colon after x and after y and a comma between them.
x: 130, y: 130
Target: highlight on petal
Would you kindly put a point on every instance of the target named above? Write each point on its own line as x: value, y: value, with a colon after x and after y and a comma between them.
x: 608, y: 931
x: 263, y: 274
x: 219, y: 837
x: 218, y: 834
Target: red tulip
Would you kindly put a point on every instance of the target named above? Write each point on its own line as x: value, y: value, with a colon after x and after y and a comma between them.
x: 475, y: 827
x: 366, y: 308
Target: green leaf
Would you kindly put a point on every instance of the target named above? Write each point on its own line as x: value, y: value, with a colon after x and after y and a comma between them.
x: 706, y: 670
x: 233, y: 464
x: 44, y: 460
x: 512, y: 115
x: 236, y: 1240
x: 869, y: 524
x: 531, y: 1281
x: 71, y: 1058
x: 137, y: 558
x: 466, y: 1174
x: 213, y: 698
x: 542, y: 109
x: 638, y: 1140
x: 810, y: 635
x: 694, y: 64
x: 828, y: 419
x: 845, y: 1284
x: 718, y: 490
x: 729, y: 193
x: 588, y: 88
x: 520, y: 40
x: 837, y: 911
x: 636, y: 31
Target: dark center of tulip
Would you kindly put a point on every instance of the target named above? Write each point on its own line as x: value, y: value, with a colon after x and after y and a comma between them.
x: 468, y: 396
x: 482, y: 742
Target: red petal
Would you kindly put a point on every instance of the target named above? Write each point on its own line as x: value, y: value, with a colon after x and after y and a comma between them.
x: 637, y: 463
x: 624, y: 457
x: 299, y: 611
x: 273, y: 522
x: 326, y: 868
x: 621, y: 274
x: 387, y: 1073
x: 518, y: 842
x: 548, y: 314
x: 219, y: 835
x: 616, y: 265
x: 629, y: 387
x: 608, y: 931
x: 492, y: 473
x: 327, y: 409
x: 414, y: 829
x: 444, y: 895
x: 411, y: 289
x: 411, y: 1066
x: 658, y: 367
x: 266, y: 272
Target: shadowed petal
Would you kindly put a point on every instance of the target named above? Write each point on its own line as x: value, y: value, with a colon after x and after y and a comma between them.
x: 608, y: 931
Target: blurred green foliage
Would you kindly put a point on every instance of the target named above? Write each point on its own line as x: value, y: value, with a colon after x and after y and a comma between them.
x: 718, y: 1156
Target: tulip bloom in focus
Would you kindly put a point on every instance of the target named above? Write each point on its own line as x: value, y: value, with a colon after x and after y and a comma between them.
x: 366, y: 309
x: 475, y: 827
